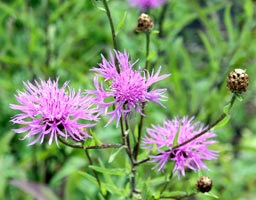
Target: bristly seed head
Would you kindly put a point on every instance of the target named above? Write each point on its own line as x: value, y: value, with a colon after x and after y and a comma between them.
x: 204, y: 184
x: 238, y: 81
x: 145, y: 23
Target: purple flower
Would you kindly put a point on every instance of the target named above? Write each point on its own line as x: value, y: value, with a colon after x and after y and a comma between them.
x: 146, y: 4
x: 190, y: 155
x: 124, y: 89
x: 48, y: 112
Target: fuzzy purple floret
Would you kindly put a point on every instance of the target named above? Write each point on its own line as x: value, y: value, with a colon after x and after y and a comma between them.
x: 146, y: 4
x: 123, y: 87
x: 48, y: 112
x: 190, y: 155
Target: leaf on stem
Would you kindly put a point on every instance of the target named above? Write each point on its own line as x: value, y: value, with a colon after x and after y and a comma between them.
x: 227, y: 108
x: 210, y: 194
x: 223, y: 122
x: 114, y: 154
x: 239, y: 97
x: 121, y: 23
x: 88, y: 142
x: 95, y: 138
x: 175, y: 141
x: 114, y: 171
x: 92, y: 179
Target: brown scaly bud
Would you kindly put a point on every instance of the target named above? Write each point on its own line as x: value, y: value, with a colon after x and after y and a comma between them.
x: 204, y: 184
x: 145, y: 23
x: 237, y: 81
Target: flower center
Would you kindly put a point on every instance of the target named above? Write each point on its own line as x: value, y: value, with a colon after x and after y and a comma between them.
x: 129, y: 88
x: 55, y: 122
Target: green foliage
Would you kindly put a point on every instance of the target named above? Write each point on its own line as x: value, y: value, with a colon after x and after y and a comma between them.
x: 199, y: 42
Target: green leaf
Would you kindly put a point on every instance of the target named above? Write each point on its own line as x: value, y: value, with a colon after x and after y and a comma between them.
x: 155, y: 32
x: 151, y: 55
x: 239, y: 97
x: 96, y: 139
x: 175, y: 194
x: 121, y: 23
x: 73, y: 164
x: 210, y: 194
x: 146, y: 192
x: 88, y: 142
x: 94, y: 180
x: 113, y: 155
x: 63, y: 8
x: 7, y: 9
x: 229, y: 24
x: 113, y: 171
x: 175, y: 141
x: 227, y: 108
x: 223, y: 122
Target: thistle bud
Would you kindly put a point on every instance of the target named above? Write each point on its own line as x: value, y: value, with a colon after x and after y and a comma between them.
x: 145, y: 23
x: 237, y: 81
x: 204, y: 184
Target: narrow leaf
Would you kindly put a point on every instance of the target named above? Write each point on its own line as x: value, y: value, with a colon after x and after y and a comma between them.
x: 239, y: 97
x: 210, y: 194
x: 227, y: 108
x: 115, y: 171
x: 95, y: 137
x: 175, y: 141
x: 121, y: 23
x: 113, y: 155
x: 222, y: 122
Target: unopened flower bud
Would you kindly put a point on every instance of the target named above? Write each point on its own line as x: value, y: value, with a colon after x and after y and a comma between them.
x: 145, y: 23
x: 204, y: 184
x: 237, y: 81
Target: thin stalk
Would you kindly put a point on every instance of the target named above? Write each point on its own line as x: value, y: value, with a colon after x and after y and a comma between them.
x: 219, y: 119
x: 130, y: 155
x: 147, y: 48
x: 94, y: 172
x: 111, y: 24
x: 137, y: 145
x: 103, y: 146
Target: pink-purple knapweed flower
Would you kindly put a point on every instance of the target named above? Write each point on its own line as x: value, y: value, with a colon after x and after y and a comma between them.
x: 124, y: 89
x: 48, y: 111
x: 191, y: 155
x: 146, y: 4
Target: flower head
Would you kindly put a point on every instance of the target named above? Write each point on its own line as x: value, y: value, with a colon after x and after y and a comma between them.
x: 48, y: 112
x: 146, y: 4
x: 125, y: 89
x: 190, y: 155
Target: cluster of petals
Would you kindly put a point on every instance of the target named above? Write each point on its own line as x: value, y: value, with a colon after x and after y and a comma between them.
x: 124, y: 89
x: 48, y: 112
x: 174, y: 132
x: 146, y: 4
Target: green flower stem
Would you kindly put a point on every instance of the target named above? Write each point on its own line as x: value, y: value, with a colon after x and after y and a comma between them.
x: 220, y: 118
x: 147, y: 48
x: 137, y: 145
x: 103, y: 146
x: 111, y: 24
x: 95, y: 173
x: 132, y: 162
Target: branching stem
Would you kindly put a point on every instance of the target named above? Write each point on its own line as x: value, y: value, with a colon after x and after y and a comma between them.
x: 219, y: 119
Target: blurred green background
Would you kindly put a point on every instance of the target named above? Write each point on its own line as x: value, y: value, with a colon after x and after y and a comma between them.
x: 199, y: 43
